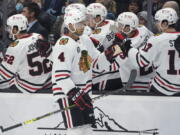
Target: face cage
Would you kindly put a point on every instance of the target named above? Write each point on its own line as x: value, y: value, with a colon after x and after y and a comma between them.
x: 76, y: 26
x: 159, y: 23
x: 10, y: 29
x: 91, y: 18
x: 122, y: 27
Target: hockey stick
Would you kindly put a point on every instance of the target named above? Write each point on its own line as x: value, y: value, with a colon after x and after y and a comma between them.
x: 129, y: 84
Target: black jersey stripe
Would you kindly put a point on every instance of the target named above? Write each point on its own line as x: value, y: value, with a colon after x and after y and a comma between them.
x: 28, y: 87
x: 164, y: 88
x: 137, y: 60
x: 89, y: 81
x: 60, y: 71
x: 106, y: 73
x: 30, y: 83
x: 177, y: 85
x: 7, y: 70
x: 58, y: 93
x: 3, y: 77
x: 144, y: 59
x: 24, y: 88
x: 136, y: 82
x: 60, y: 79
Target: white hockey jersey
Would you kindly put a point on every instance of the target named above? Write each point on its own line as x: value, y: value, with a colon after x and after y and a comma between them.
x: 105, y: 36
x: 143, y: 77
x: 72, y: 64
x: 24, y: 67
x: 160, y: 52
x: 101, y: 32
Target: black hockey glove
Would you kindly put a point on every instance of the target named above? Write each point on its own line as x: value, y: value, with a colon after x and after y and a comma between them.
x: 123, y: 42
x: 81, y: 99
x: 126, y: 46
x: 44, y: 48
x: 177, y: 44
x: 109, y: 53
x: 119, y: 37
x: 112, y: 52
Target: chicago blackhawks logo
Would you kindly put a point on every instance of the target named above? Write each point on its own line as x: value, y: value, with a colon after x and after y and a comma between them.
x: 85, y: 61
x: 13, y: 44
x: 63, y: 41
x: 96, y: 31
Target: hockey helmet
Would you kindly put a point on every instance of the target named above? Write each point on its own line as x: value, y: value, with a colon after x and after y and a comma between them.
x: 76, y: 18
x: 78, y: 6
x: 127, y: 19
x: 96, y: 9
x: 15, y: 24
x: 166, y: 14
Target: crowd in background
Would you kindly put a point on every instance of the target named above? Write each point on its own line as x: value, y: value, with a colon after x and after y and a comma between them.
x: 50, y: 12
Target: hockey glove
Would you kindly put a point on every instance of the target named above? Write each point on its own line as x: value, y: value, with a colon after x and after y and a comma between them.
x: 110, y: 53
x: 81, y: 99
x: 44, y: 48
x: 119, y: 37
x: 123, y: 42
x: 177, y: 44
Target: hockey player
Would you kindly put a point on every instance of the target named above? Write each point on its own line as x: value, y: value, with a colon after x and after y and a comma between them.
x: 82, y: 8
x: 72, y: 74
x: 96, y: 20
x: 103, y: 35
x: 22, y: 66
x: 161, y: 53
x: 128, y: 24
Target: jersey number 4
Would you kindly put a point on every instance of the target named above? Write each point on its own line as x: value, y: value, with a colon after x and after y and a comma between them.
x: 39, y: 67
x: 172, y: 70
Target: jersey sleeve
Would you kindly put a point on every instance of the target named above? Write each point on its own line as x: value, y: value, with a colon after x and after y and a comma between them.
x: 12, y: 60
x: 62, y: 57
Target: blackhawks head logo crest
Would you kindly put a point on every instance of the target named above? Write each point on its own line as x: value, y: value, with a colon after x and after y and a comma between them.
x: 85, y: 61
x: 97, y: 31
x: 13, y: 44
x: 63, y: 41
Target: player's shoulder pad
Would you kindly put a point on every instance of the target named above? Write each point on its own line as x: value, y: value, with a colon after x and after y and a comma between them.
x: 63, y: 41
x: 13, y: 44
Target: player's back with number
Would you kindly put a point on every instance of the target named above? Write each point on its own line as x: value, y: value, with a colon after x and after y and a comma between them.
x: 23, y: 63
x: 166, y: 59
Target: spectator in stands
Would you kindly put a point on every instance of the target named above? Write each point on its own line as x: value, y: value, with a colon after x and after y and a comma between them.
x: 135, y: 6
x: 175, y: 6
x: 39, y: 2
x: 143, y: 18
x: 1, y: 24
x: 172, y: 4
x: 31, y: 11
x: 111, y: 8
x: 20, y: 5
x: 53, y: 7
x: 156, y: 5
x: 45, y: 19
